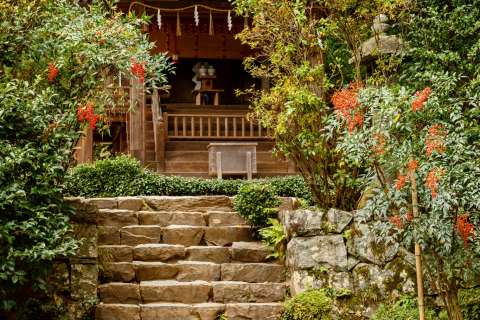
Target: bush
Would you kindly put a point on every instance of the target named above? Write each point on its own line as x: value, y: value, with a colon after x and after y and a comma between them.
x: 257, y: 203
x: 309, y: 305
x: 404, y: 309
x: 124, y: 176
x: 274, y: 238
x: 470, y: 302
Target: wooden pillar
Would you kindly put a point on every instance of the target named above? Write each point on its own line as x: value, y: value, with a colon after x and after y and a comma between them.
x: 84, y: 152
x: 136, y: 121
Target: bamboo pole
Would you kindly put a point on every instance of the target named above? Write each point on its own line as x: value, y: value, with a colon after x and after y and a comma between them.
x: 418, y: 249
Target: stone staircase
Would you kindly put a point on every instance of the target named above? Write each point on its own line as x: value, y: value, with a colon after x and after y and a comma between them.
x: 183, y: 258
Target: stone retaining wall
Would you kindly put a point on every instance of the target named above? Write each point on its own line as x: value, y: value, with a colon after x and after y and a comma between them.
x: 334, y: 249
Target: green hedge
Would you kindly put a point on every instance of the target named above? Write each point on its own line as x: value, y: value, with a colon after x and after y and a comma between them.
x: 124, y: 176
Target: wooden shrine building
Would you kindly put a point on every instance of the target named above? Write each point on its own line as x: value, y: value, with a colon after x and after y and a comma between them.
x: 199, y: 127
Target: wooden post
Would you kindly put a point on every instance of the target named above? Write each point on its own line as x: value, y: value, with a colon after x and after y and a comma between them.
x: 136, y: 123
x: 84, y: 148
x: 418, y: 249
x: 249, y: 165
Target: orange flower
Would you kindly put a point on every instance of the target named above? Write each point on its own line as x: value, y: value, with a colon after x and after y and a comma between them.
x: 87, y: 113
x: 412, y: 165
x: 345, y: 103
x: 138, y: 69
x: 52, y: 72
x: 432, y: 180
x: 379, y: 147
x: 396, y: 221
x: 421, y: 98
x: 465, y: 229
x: 435, y: 139
x: 409, y: 216
x: 401, y: 181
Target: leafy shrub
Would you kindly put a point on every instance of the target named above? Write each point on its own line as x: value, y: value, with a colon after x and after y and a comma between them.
x: 405, y: 308
x: 470, y: 302
x: 309, y: 305
x: 124, y: 176
x: 256, y: 203
x: 274, y: 237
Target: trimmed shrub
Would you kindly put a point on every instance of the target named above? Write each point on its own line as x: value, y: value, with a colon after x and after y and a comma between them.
x: 257, y: 203
x: 124, y: 176
x: 309, y: 305
x: 470, y: 302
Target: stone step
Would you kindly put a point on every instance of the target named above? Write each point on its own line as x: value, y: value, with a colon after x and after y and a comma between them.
x: 222, y: 218
x: 253, y: 272
x: 175, y: 291
x: 158, y: 252
x: 197, y: 311
x: 217, y: 254
x: 180, y: 271
x: 140, y: 234
x: 166, y: 218
x: 189, y: 203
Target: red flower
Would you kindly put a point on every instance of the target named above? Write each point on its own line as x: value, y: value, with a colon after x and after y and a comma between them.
x: 345, y: 103
x: 435, y: 139
x: 396, y: 221
x: 138, y: 69
x: 409, y: 216
x: 52, y: 72
x: 421, y: 98
x: 412, y: 165
x: 465, y: 229
x: 87, y: 113
x: 401, y: 182
x: 379, y: 147
x: 432, y: 180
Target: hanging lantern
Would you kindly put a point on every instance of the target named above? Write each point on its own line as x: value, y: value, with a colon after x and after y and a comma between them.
x: 179, y: 27
x: 196, y: 17
x: 159, y: 19
x: 210, y: 26
x: 229, y: 21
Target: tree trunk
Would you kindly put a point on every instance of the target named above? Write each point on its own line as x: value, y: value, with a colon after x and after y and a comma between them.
x: 452, y: 300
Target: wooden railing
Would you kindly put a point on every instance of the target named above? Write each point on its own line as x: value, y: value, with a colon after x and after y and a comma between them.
x: 213, y: 126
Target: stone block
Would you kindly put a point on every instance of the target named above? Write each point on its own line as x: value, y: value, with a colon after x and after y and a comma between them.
x: 190, y: 271
x: 189, y: 203
x: 108, y: 235
x: 167, y: 311
x: 249, y: 252
x: 208, y: 253
x: 221, y: 219
x: 116, y: 253
x: 158, y: 252
x: 174, y: 291
x: 253, y: 272
x: 146, y: 271
x: 85, y: 212
x: 139, y: 234
x: 117, y: 312
x: 159, y: 218
x: 233, y: 291
x: 188, y: 219
x: 118, y: 271
x: 183, y: 235
x: 103, y: 203
x: 116, y: 217
x: 304, y: 222
x: 130, y: 203
x: 254, y: 311
x: 208, y: 311
x: 339, y: 219
x: 125, y: 293
x: 314, y: 252
x: 84, y: 279
x: 87, y: 234
x: 222, y: 236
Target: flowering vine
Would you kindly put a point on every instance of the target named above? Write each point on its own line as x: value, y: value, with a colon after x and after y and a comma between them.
x: 465, y: 229
x: 435, y: 139
x: 138, y: 69
x: 432, y: 179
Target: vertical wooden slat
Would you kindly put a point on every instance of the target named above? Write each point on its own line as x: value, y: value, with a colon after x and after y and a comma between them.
x: 234, y: 126
x: 251, y: 128
x: 218, y: 126
x: 259, y: 129
x: 209, y: 126
x: 201, y: 126
x: 184, y: 125
x: 226, y: 126
x: 243, y: 126
x: 192, y: 126
x: 175, y: 126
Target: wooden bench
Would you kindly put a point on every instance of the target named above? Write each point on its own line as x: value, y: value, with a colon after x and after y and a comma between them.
x: 232, y: 158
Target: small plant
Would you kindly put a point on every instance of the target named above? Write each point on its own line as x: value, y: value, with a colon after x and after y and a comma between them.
x: 309, y: 305
x: 404, y: 309
x: 221, y: 317
x: 257, y: 203
x: 274, y: 237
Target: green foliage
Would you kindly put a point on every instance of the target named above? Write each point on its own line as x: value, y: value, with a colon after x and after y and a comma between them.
x: 274, y: 237
x: 56, y: 55
x: 309, y: 305
x: 124, y: 176
x: 257, y: 203
x: 405, y: 308
x: 470, y: 302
